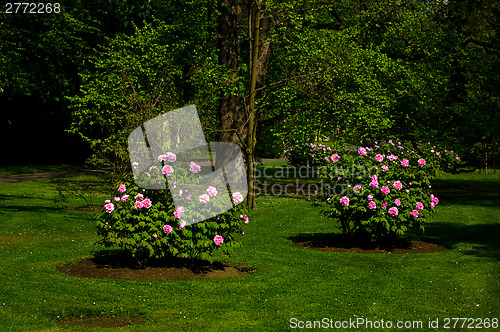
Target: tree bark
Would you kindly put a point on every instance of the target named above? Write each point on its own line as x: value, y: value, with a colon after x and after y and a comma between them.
x: 230, y: 115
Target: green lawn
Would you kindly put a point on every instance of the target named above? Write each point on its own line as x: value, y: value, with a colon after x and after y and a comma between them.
x: 36, y: 235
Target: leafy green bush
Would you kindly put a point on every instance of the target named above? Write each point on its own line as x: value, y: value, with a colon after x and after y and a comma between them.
x: 146, y: 223
x: 381, y: 191
x: 307, y: 153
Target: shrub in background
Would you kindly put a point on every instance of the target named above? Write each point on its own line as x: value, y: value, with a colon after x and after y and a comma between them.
x: 383, y: 190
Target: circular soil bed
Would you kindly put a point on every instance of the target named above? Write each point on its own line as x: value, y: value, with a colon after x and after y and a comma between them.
x: 336, y: 243
x: 120, y: 267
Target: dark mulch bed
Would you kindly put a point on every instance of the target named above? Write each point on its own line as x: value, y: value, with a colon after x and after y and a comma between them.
x: 121, y: 267
x: 337, y: 243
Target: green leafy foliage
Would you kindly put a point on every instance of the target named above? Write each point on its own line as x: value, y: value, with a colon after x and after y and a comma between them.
x: 381, y: 191
x: 132, y: 81
x: 147, y: 223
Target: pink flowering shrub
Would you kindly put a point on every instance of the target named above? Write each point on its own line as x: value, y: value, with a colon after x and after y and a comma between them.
x: 308, y: 154
x: 381, y: 191
x: 146, y: 223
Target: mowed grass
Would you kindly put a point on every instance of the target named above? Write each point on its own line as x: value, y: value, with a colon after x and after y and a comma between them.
x: 36, y: 235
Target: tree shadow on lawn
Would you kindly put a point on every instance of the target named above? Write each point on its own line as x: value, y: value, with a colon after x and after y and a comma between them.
x: 468, y: 192
x: 335, y: 242
x: 482, y: 239
x: 115, y: 264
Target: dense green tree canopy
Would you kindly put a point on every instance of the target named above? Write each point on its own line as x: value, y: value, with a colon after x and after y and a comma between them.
x: 306, y: 68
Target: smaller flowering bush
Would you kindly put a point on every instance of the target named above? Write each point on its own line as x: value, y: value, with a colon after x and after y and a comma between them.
x: 147, y: 224
x: 382, y: 190
x: 307, y: 154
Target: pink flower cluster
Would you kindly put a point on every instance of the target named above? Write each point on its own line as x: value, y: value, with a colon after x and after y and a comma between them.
x: 218, y: 240
x: 204, y: 198
x: 244, y: 217
x: 194, y: 167
x: 140, y: 202
x: 167, y: 170
x: 178, y: 212
x: 237, y: 198
x: 344, y: 201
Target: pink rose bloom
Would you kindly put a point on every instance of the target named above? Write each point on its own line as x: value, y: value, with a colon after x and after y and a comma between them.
x: 139, y: 197
x: 362, y: 151
x: 457, y: 158
x: 392, y: 157
x: 326, y: 158
x: 117, y: 199
x: 162, y: 157
x: 373, y: 184
x: 124, y: 198
x: 107, y: 201
x: 434, y: 199
x: 167, y: 170
x: 369, y: 197
x: 385, y: 190
x: 420, y: 206
x: 244, y: 216
x: 194, y: 167
x: 312, y: 156
x: 433, y: 205
x: 344, y: 201
x: 397, y: 185
x: 390, y: 142
x: 122, y: 188
x: 335, y: 158
x: 407, y: 191
x: 138, y: 205
x: 357, y: 187
x: 109, y: 207
x: 155, y: 236
x: 146, y: 203
x: 171, y: 157
x: 421, y: 162
x: 397, y: 202
x: 379, y: 158
x: 393, y: 211
x: 405, y: 163
x: 384, y: 205
x: 437, y: 153
x: 372, y: 205
x: 204, y: 198
x: 414, y: 213
x: 212, y: 191
x: 178, y: 213
x: 167, y: 229
x: 385, y: 168
x: 182, y: 225
x: 237, y: 198
x: 218, y: 240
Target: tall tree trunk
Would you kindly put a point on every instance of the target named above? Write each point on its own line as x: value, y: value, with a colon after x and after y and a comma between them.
x: 251, y: 138
x: 230, y: 113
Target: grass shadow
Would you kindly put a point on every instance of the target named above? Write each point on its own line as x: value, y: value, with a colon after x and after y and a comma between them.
x: 482, y: 239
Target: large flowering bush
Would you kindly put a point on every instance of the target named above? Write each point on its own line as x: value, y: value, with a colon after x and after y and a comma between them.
x: 382, y: 190
x: 146, y: 223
